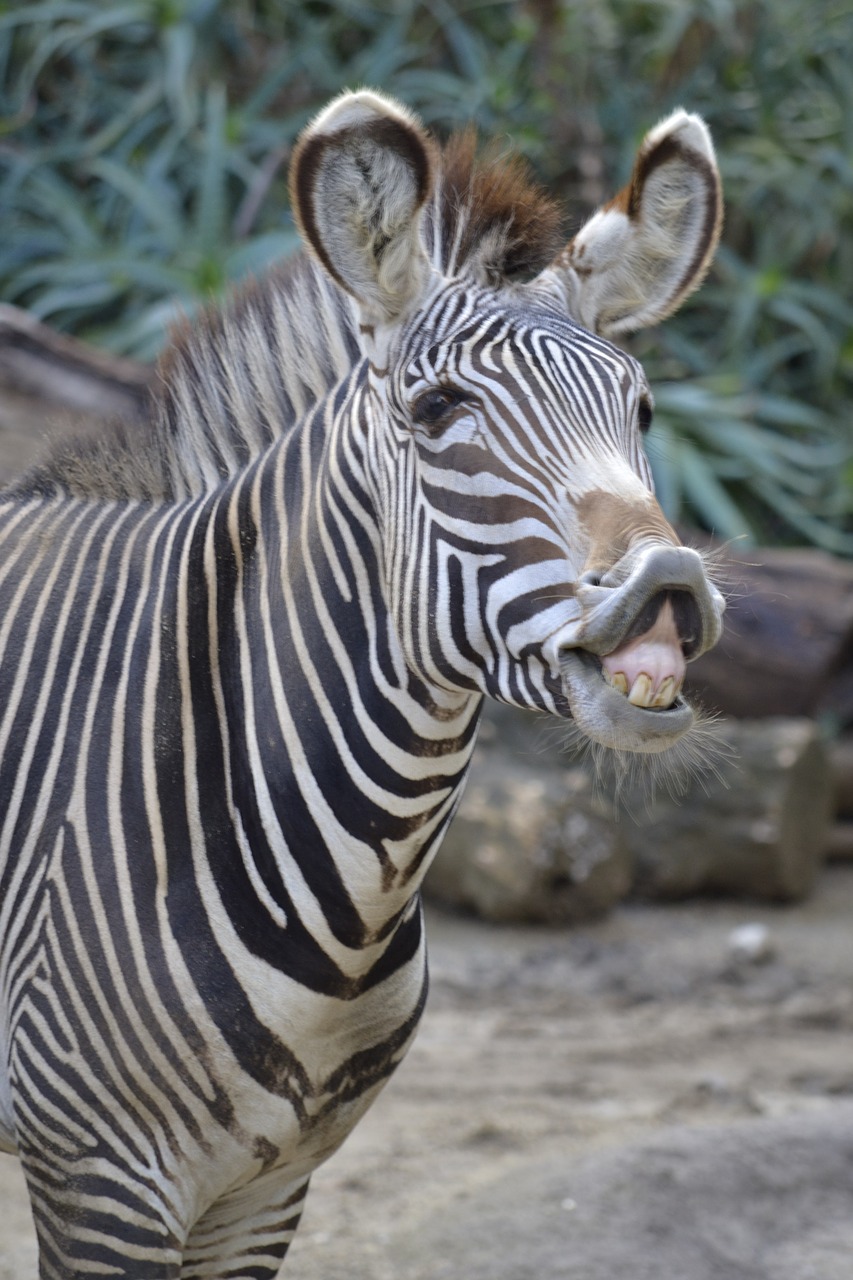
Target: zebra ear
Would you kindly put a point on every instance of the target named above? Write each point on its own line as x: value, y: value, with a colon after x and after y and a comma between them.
x: 358, y: 181
x: 639, y: 256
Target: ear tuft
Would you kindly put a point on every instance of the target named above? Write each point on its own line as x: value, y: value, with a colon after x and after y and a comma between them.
x: 641, y: 255
x: 360, y: 176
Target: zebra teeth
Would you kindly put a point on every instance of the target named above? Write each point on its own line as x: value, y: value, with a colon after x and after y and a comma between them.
x: 666, y: 693
x: 617, y: 680
x: 641, y: 691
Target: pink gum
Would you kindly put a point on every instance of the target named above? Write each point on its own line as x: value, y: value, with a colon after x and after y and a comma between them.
x: 656, y: 654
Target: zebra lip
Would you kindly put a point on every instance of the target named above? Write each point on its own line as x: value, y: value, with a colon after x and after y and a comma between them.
x: 606, y: 715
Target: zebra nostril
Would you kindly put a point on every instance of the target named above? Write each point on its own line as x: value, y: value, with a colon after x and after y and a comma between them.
x: 592, y: 578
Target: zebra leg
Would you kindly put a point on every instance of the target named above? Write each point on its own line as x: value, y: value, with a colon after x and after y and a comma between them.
x: 245, y: 1235
x: 95, y: 1225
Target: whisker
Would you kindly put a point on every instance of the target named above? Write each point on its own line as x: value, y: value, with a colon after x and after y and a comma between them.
x: 622, y: 779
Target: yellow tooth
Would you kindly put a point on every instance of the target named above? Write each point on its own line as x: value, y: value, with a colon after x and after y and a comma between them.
x: 665, y: 694
x: 641, y: 691
x: 617, y: 680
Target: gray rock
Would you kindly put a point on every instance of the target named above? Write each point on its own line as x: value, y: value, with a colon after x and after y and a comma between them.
x: 542, y: 837
x: 755, y: 826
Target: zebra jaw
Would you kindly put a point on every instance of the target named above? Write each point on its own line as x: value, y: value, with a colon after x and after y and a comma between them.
x: 612, y: 715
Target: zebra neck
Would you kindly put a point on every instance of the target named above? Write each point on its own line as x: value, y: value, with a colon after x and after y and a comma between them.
x: 341, y: 768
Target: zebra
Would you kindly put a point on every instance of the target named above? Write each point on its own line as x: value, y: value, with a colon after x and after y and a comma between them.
x: 242, y: 661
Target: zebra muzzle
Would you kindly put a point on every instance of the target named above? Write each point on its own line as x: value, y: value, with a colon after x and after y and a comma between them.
x: 623, y: 661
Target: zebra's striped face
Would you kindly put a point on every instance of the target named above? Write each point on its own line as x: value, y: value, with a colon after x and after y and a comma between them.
x: 525, y: 555
x: 513, y: 484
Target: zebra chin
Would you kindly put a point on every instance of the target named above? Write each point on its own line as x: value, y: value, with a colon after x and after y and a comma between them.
x: 606, y: 716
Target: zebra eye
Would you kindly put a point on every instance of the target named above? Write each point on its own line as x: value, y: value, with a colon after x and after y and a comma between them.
x: 645, y: 413
x: 433, y: 408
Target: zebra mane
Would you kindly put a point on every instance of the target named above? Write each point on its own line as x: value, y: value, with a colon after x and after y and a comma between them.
x: 494, y: 223
x: 240, y: 373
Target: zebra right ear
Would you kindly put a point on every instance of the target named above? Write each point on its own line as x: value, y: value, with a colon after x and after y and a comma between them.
x: 360, y: 176
x: 639, y: 257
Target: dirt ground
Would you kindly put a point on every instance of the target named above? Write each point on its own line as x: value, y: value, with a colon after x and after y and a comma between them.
x: 623, y: 1100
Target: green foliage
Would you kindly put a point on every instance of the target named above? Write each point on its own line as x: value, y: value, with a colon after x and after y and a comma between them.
x: 143, y: 157
x: 758, y: 442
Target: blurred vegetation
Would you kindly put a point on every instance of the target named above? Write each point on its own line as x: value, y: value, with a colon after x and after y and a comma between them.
x: 143, y: 158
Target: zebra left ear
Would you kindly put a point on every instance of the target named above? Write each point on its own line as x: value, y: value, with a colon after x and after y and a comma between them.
x: 639, y: 256
x: 358, y: 181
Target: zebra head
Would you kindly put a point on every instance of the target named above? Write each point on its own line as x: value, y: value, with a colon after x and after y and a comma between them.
x: 524, y: 554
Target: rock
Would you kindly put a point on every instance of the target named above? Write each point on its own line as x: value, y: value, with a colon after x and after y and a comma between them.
x: 539, y: 838
x: 751, y: 944
x: 755, y: 826
x: 530, y: 844
x: 754, y: 1199
x: 59, y: 370
x: 531, y: 737
x: 54, y: 387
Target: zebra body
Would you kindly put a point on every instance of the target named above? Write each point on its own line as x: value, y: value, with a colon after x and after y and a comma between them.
x: 78, y: 724
x: 235, y: 718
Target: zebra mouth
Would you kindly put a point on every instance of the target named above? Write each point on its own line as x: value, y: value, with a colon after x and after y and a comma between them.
x: 622, y: 658
x: 605, y: 714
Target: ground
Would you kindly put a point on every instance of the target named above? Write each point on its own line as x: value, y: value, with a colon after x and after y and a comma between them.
x: 623, y: 1100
